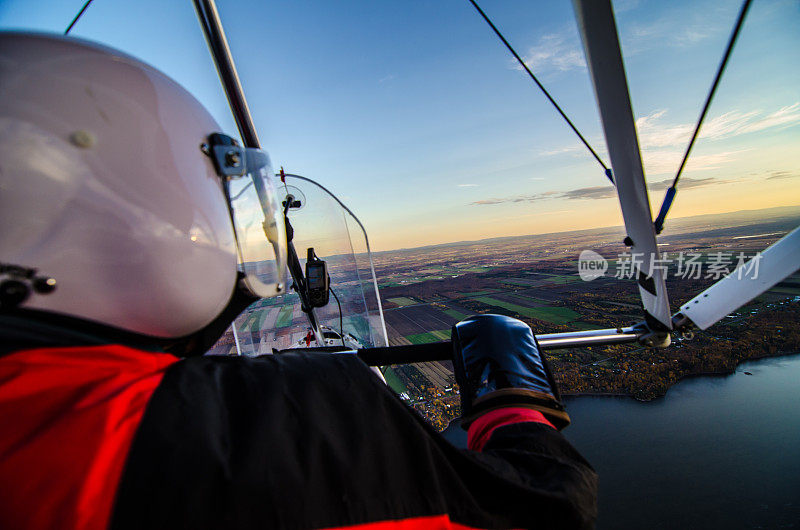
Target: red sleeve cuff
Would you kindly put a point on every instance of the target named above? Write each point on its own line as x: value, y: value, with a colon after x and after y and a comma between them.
x: 482, y: 428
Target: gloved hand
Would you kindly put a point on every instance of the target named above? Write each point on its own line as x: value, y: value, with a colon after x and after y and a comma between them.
x: 498, y: 364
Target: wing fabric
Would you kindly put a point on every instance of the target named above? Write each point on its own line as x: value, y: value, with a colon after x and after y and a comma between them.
x: 749, y: 280
x: 604, y: 58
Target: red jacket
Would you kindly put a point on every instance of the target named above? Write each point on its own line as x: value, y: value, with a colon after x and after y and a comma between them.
x: 110, y: 436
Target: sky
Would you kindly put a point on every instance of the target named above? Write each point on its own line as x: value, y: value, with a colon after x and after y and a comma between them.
x: 418, y: 118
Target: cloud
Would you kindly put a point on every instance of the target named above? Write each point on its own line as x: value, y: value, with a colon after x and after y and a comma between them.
x: 685, y: 183
x: 654, y: 133
x: 679, y: 30
x: 620, y: 6
x: 466, y: 185
x: 690, y: 36
x: 596, y: 192
x: 559, y: 52
x: 666, y: 161
x: 386, y: 78
x: 561, y: 150
x: 776, y: 175
x: 664, y: 143
x: 600, y: 192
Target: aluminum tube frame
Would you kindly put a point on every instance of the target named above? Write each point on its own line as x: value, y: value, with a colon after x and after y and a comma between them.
x: 223, y: 60
x: 211, y: 24
x: 604, y: 58
x: 443, y: 351
x: 596, y: 337
x: 777, y: 262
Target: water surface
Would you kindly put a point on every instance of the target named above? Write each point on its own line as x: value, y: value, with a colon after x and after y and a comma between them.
x: 715, y: 452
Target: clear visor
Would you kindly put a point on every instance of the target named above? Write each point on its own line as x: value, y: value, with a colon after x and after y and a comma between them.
x: 258, y: 222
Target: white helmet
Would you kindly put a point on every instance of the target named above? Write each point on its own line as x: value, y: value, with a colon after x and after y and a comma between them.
x: 116, y: 207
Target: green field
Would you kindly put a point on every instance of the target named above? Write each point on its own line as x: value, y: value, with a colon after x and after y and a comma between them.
x: 455, y: 314
x: 478, y: 293
x: 402, y: 301
x: 251, y: 323
x: 561, y: 279
x: 786, y: 290
x: 262, y: 316
x: 284, y: 317
x: 582, y: 326
x: 432, y: 336
x: 524, y: 283
x: 556, y: 315
x: 476, y: 269
x: 393, y: 381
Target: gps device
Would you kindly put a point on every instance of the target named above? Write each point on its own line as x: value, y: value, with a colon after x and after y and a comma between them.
x: 317, y: 280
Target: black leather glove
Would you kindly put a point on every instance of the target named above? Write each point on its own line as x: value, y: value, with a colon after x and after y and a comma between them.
x: 498, y: 364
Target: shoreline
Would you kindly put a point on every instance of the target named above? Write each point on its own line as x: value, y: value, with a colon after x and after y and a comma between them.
x: 715, y: 373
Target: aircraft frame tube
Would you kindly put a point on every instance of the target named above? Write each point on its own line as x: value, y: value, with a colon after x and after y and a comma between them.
x: 778, y: 261
x: 211, y: 24
x: 604, y: 59
x: 443, y: 351
x: 223, y: 60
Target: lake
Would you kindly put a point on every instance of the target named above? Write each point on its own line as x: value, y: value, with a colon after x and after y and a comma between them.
x: 715, y: 452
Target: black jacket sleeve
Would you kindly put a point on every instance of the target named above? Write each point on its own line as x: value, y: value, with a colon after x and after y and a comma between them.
x: 317, y: 441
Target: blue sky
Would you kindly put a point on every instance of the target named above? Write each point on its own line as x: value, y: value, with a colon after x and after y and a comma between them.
x: 414, y: 113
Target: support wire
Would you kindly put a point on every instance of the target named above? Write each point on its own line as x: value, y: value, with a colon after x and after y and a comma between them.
x: 670, y: 195
x: 77, y: 17
x: 544, y: 90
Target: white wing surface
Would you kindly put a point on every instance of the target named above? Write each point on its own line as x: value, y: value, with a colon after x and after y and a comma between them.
x: 604, y: 58
x: 747, y: 281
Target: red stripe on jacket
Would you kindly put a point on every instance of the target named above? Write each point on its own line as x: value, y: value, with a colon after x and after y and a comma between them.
x: 482, y: 428
x: 68, y: 419
x: 433, y: 522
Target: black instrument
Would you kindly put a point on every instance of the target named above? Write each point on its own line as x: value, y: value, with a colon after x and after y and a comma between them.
x: 317, y: 280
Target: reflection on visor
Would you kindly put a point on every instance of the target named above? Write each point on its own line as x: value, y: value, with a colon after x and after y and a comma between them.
x: 258, y: 222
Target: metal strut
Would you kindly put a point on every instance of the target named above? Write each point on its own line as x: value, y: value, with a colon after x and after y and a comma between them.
x: 220, y: 51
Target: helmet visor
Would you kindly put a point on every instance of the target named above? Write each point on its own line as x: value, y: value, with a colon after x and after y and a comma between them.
x: 259, y: 225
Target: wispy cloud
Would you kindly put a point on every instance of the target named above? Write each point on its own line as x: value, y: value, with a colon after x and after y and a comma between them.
x: 599, y: 192
x: 555, y: 52
x: 596, y: 192
x: 653, y: 132
x: 466, y: 185
x: 685, y: 183
x: 560, y: 151
x: 691, y: 35
x: 678, y: 30
x: 663, y: 143
x: 776, y: 175
x: 665, y: 161
x: 620, y: 6
x: 386, y: 78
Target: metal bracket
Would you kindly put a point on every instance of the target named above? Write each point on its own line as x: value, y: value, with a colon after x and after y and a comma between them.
x: 228, y: 156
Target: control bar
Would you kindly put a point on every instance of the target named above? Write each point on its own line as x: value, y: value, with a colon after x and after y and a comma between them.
x: 443, y: 351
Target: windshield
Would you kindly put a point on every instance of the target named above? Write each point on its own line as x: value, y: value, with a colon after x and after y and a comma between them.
x: 320, y: 221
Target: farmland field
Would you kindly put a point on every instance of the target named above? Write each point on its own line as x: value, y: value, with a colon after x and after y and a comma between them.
x: 455, y: 314
x: 402, y: 301
x: 284, y: 317
x: 556, y: 315
x: 393, y: 381
x: 431, y: 336
x: 418, y: 319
